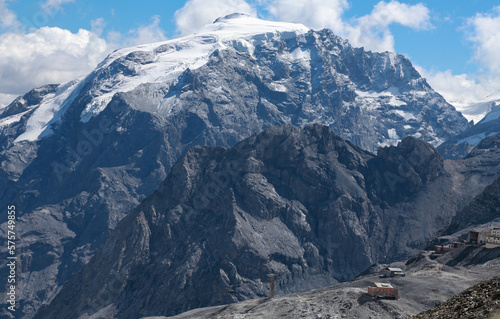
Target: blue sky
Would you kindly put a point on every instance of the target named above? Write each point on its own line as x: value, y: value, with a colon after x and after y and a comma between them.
x: 454, y: 43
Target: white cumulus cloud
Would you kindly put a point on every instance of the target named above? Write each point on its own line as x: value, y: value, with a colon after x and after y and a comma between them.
x: 465, y: 91
x: 485, y: 35
x: 47, y: 55
x: 54, y: 55
x: 43, y: 55
x: 372, y: 31
x: 8, y: 18
x: 197, y: 13
x: 315, y: 14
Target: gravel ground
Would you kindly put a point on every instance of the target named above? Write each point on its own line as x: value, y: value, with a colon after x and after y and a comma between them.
x: 428, y: 282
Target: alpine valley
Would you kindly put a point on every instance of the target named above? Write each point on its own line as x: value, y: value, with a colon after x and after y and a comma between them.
x: 178, y: 170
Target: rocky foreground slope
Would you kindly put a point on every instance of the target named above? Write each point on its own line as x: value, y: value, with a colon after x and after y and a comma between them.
x: 478, y: 302
x: 301, y: 203
x: 428, y: 282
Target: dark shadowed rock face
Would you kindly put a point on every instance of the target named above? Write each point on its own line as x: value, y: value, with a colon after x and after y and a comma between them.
x: 399, y: 172
x: 484, y: 208
x: 451, y: 150
x: 483, y: 160
x: 289, y: 201
x: 489, y: 145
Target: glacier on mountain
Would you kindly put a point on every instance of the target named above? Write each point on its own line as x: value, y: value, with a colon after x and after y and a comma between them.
x: 165, y: 61
x: 390, y: 87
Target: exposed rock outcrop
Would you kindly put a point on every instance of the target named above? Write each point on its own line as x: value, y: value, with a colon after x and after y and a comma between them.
x: 482, y: 301
x: 301, y: 203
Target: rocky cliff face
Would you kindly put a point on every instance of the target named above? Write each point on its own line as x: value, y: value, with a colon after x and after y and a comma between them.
x: 483, y: 209
x: 301, y: 203
x: 77, y: 157
x: 459, y: 146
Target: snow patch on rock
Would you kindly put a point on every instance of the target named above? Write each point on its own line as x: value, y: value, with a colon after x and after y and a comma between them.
x: 50, y: 111
x: 173, y: 57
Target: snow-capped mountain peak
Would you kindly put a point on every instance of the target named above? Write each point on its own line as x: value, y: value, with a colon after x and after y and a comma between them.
x: 494, y: 112
x: 489, y: 125
x: 160, y: 62
x: 172, y: 57
x: 288, y: 74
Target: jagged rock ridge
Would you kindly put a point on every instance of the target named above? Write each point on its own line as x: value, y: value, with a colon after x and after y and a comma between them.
x: 300, y: 203
x: 459, y: 146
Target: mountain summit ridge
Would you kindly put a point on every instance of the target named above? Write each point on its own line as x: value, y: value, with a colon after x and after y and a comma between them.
x: 126, y: 70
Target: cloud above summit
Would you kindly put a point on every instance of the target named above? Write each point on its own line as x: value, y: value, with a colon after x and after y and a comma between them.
x: 484, y: 33
x: 462, y: 90
x: 371, y: 30
x: 197, y: 13
x: 377, y: 26
x: 47, y: 55
x: 316, y: 14
x: 53, y: 55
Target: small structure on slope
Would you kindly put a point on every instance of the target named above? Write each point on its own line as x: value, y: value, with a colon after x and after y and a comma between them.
x: 392, y: 272
x: 447, y: 248
x: 493, y: 240
x: 489, y: 239
x: 477, y: 237
x: 383, y: 290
